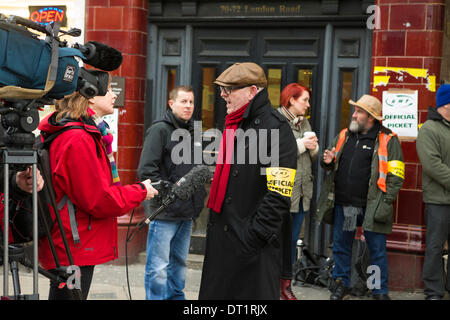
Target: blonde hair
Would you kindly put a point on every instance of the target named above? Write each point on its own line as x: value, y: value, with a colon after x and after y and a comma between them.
x: 72, y: 106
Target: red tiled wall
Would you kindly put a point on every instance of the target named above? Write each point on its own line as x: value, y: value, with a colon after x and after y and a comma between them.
x: 411, y: 36
x: 122, y: 24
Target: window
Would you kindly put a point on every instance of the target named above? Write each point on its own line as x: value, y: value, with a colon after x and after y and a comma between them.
x: 171, y: 81
x: 274, y: 86
x: 208, y: 97
x: 346, y: 94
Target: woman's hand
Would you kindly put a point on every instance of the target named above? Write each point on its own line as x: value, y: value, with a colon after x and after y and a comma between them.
x: 151, y: 192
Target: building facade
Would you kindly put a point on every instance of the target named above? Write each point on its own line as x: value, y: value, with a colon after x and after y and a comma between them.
x: 339, y: 49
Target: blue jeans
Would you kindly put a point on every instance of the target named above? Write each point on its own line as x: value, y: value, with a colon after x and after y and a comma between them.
x: 342, y: 251
x: 297, y: 221
x: 167, y: 250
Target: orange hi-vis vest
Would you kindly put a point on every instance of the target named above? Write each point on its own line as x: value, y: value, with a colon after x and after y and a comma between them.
x: 383, y: 166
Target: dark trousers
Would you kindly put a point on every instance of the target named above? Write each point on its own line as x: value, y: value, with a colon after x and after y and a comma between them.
x: 342, y: 251
x: 71, y: 294
x: 286, y: 245
x: 437, y: 219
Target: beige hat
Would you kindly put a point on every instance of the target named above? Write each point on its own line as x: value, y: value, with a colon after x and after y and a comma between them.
x: 242, y: 74
x: 371, y: 104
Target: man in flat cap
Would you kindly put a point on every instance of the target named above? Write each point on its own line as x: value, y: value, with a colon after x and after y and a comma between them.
x: 433, y: 149
x: 248, y: 194
x: 366, y: 171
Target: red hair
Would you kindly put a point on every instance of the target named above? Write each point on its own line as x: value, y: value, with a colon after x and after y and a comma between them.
x: 292, y: 90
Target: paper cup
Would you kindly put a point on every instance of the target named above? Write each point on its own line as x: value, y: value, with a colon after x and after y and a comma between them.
x: 308, y: 134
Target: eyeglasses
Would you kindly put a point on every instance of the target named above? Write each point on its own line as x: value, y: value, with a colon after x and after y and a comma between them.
x: 228, y: 90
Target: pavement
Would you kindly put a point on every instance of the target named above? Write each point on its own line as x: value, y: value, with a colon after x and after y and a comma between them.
x: 110, y: 283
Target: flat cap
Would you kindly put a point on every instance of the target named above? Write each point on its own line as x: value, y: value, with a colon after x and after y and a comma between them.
x: 242, y: 74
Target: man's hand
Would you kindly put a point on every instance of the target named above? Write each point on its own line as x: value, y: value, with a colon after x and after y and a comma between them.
x: 151, y: 192
x: 24, y: 180
x: 328, y: 155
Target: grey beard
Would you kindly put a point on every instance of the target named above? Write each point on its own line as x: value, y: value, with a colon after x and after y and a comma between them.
x: 354, y: 126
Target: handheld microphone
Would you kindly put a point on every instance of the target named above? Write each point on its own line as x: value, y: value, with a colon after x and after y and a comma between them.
x: 100, y: 55
x: 184, y: 188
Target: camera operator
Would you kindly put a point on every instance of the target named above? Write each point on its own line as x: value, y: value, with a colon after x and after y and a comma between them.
x: 20, y: 188
x: 82, y: 171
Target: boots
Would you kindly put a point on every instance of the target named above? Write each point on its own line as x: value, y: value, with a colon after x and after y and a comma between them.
x: 286, y: 290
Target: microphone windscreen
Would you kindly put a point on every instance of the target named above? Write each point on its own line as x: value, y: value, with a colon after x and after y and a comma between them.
x: 104, y: 57
x: 196, y: 178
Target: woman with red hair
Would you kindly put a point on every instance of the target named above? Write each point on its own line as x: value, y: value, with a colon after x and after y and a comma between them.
x: 294, y: 102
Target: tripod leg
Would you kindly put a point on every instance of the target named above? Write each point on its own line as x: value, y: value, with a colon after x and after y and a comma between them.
x: 15, y: 277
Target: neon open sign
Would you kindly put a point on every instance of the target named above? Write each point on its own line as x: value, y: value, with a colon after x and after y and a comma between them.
x: 48, y: 14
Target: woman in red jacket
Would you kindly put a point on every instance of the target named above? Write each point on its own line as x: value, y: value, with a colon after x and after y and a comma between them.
x: 83, y: 172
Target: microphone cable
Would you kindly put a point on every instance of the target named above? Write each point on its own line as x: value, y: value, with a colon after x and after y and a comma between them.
x: 126, y: 254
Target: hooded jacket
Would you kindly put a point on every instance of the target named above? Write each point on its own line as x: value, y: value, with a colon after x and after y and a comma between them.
x: 433, y: 149
x: 157, y: 163
x: 81, y: 170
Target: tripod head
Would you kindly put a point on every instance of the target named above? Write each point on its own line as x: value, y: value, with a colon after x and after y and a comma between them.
x: 19, y: 118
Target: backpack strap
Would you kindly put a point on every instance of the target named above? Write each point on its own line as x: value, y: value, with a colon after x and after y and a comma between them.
x: 72, y: 218
x: 46, y: 141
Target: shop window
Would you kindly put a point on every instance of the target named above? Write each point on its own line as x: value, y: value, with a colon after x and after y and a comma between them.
x: 305, y: 78
x: 274, y: 86
x: 171, y: 80
x: 346, y: 94
x: 208, y: 97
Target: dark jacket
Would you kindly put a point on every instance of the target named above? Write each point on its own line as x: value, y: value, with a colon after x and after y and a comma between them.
x: 242, y: 258
x: 379, y: 211
x: 433, y: 148
x: 353, y: 173
x: 156, y: 164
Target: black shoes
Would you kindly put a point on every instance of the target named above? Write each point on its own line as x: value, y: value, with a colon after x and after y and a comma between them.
x: 433, y: 298
x: 338, y: 290
x: 381, y: 296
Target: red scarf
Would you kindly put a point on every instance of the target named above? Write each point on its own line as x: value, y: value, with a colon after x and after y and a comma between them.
x: 222, y: 172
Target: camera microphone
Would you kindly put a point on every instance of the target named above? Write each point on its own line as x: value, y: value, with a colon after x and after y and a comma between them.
x: 191, y: 182
x: 183, y: 189
x: 100, y: 55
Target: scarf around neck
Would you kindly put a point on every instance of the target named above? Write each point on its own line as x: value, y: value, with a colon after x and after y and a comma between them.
x: 107, y: 139
x: 297, y: 121
x: 222, y: 172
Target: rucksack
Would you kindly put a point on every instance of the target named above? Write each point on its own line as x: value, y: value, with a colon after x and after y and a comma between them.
x: 360, y: 263
x: 21, y: 213
x: 313, y: 269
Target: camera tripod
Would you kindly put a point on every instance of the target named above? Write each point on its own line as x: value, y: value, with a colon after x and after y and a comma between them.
x: 18, y: 158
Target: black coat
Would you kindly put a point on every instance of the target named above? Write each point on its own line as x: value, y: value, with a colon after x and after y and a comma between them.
x: 156, y: 164
x: 242, y: 258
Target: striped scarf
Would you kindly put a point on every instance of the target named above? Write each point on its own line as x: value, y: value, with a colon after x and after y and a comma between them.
x: 297, y: 121
x: 107, y: 139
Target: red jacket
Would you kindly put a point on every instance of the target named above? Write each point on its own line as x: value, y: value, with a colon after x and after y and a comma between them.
x: 82, y: 171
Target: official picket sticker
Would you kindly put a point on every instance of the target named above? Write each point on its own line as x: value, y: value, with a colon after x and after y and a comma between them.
x: 397, y: 168
x: 280, y: 180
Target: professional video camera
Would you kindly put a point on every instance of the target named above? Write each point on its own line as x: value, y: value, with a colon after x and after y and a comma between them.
x: 33, y: 72
x: 32, y: 68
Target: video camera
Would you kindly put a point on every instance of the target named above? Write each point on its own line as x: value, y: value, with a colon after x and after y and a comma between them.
x: 33, y: 72
x: 32, y: 68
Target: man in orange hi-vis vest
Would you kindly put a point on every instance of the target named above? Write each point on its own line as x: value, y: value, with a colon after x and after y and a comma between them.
x: 365, y: 172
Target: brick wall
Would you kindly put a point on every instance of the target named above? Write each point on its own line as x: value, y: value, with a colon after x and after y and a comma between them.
x: 411, y: 36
